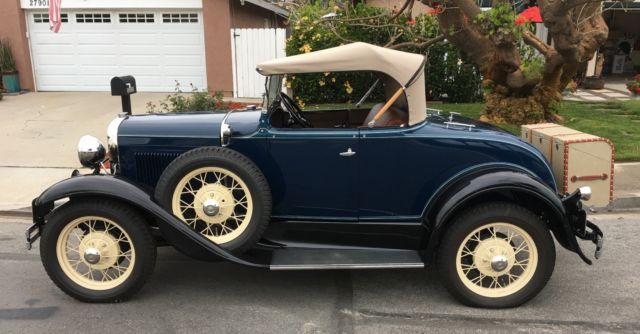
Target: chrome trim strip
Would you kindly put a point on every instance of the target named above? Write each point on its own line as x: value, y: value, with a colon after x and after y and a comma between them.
x: 348, y: 266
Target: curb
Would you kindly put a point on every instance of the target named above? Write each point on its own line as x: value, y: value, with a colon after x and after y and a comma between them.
x: 19, y: 213
x: 626, y: 203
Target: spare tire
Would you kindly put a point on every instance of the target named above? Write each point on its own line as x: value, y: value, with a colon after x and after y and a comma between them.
x: 219, y: 193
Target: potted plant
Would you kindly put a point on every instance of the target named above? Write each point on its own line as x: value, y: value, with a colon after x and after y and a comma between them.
x: 634, y: 86
x: 8, y: 68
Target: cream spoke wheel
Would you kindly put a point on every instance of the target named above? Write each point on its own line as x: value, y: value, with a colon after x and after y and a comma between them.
x: 95, y: 253
x: 215, y: 202
x: 497, y: 260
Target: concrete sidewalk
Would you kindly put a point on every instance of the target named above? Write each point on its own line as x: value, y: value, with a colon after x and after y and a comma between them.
x: 39, y: 133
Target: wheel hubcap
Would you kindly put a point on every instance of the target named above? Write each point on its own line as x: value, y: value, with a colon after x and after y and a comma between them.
x: 92, y: 255
x: 211, y: 207
x: 499, y: 263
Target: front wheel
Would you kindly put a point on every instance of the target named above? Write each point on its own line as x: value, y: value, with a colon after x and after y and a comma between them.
x: 97, y: 250
x: 496, y: 255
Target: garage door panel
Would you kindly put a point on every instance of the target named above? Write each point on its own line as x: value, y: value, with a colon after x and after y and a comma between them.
x: 139, y: 51
x: 97, y: 59
x: 58, y: 70
x: 142, y: 60
x: 138, y: 39
x: 58, y: 80
x: 85, y: 56
x: 96, y: 80
x: 182, y: 60
x: 182, y: 39
x: 95, y: 50
x: 52, y: 49
x: 141, y: 70
x: 182, y: 70
x: 97, y: 70
x: 47, y: 38
x: 44, y: 60
x: 95, y: 38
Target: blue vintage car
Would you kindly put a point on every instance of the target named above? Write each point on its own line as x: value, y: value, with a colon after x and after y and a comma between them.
x: 395, y: 185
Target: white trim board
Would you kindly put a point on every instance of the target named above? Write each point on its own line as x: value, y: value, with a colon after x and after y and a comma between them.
x: 102, y: 4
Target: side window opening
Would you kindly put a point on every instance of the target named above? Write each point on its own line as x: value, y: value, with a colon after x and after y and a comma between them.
x: 338, y: 100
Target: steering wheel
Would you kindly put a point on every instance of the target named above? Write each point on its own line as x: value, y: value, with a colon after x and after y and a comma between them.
x: 294, y: 111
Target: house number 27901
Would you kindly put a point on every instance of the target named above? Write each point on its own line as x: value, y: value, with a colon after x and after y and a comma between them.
x: 38, y: 3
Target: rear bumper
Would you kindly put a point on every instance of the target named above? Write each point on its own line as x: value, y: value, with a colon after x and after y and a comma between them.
x: 577, y: 226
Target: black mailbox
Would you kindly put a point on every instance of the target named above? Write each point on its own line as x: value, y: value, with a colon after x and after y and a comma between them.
x: 124, y: 86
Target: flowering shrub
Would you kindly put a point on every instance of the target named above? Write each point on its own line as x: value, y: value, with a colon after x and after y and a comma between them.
x: 197, y: 100
x: 634, y: 86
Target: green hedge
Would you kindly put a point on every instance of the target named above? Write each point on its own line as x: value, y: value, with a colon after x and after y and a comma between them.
x: 449, y: 75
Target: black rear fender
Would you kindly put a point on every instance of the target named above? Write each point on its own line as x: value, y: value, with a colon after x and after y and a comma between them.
x: 490, y: 186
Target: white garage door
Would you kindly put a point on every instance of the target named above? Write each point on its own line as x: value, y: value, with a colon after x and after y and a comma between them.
x: 157, y: 47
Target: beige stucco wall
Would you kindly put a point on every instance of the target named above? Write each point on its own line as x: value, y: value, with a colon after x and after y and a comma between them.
x: 217, y: 42
x: 13, y: 28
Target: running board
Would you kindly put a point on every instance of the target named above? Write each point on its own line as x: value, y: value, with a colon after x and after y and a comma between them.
x: 306, y: 258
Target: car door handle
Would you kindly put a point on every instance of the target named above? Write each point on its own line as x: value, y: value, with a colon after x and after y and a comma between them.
x: 348, y: 153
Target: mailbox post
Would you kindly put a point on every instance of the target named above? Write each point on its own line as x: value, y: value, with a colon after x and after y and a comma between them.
x: 124, y: 86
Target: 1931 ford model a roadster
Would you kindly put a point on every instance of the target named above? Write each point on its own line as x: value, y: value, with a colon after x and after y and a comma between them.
x: 392, y: 186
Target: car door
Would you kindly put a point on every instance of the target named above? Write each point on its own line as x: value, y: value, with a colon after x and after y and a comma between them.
x: 314, y: 173
x: 390, y: 162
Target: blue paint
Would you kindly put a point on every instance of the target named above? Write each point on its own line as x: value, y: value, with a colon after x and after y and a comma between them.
x: 392, y: 177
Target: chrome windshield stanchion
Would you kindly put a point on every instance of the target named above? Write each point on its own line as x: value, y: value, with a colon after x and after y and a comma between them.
x: 225, y: 131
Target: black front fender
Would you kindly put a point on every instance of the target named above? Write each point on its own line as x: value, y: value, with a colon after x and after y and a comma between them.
x: 124, y: 191
x: 494, y: 184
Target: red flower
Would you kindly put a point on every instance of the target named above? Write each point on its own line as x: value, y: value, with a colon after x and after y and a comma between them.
x: 435, y: 10
x: 638, y: 90
x: 411, y: 22
x: 637, y: 77
x: 520, y: 20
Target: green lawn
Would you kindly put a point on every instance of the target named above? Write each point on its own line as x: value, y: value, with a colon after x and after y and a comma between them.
x: 618, y: 121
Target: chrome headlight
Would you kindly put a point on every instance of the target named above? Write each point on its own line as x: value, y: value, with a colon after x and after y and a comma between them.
x: 91, y: 151
x: 112, y: 139
x: 585, y: 193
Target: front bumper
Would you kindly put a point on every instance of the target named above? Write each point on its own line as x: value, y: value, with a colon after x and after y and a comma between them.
x: 576, y: 225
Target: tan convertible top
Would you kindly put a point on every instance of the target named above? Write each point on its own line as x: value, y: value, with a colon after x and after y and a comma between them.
x: 398, y: 65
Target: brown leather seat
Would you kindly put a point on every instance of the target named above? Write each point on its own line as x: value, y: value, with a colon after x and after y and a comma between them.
x: 392, y: 117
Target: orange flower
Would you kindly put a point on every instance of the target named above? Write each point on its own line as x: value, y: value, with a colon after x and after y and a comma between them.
x: 411, y: 22
x: 520, y: 20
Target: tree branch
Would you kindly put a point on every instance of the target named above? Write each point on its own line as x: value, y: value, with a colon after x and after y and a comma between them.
x: 532, y: 40
x: 424, y: 44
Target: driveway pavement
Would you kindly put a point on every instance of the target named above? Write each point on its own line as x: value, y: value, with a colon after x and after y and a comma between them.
x: 39, y: 133
x: 187, y: 296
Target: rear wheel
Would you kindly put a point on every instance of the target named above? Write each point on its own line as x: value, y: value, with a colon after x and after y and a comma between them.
x: 97, y: 251
x: 496, y: 255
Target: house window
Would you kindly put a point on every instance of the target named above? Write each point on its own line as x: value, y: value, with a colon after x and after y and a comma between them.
x: 136, y: 18
x: 44, y: 18
x: 180, y: 17
x: 93, y: 17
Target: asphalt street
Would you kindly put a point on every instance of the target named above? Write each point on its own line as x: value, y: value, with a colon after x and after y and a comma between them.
x: 187, y: 296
